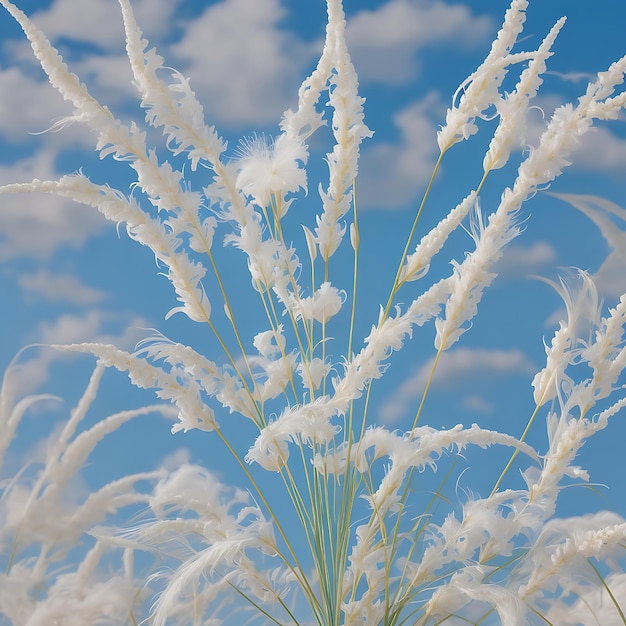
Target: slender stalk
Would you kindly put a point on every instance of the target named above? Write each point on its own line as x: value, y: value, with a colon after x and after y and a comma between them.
x: 396, y: 282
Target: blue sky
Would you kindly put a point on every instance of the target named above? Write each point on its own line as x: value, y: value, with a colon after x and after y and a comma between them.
x: 67, y: 276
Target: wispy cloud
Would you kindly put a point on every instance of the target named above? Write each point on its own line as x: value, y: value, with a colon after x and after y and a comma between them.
x: 455, y: 368
x: 99, y: 22
x: 102, y: 63
x: 392, y: 174
x: 478, y: 404
x: 243, y: 65
x: 37, y: 225
x: 521, y: 260
x: 601, y: 151
x: 385, y: 42
x: 119, y: 328
x: 254, y: 64
x: 574, y: 77
x: 21, y: 110
x: 94, y: 325
x: 60, y: 288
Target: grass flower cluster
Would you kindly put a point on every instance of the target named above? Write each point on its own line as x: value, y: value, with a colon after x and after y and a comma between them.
x: 353, y: 547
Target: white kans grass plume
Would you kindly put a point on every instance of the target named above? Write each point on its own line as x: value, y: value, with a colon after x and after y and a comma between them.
x: 353, y: 547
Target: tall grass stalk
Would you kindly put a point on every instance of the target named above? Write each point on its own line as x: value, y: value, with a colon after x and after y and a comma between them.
x: 352, y: 547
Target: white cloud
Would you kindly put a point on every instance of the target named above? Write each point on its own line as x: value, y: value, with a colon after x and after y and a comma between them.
x: 601, y: 151
x: 96, y: 22
x: 37, y: 225
x: 109, y: 78
x: 478, y: 404
x: 99, y: 22
x: 241, y: 64
x: 574, y: 77
x: 455, y: 368
x: 105, y: 69
x: 70, y: 328
x: 60, y: 288
x: 28, y: 106
x: 521, y: 260
x: 465, y: 363
x: 156, y: 17
x: 93, y: 326
x: 29, y: 371
x: 384, y: 43
x: 391, y: 175
x: 40, y: 165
